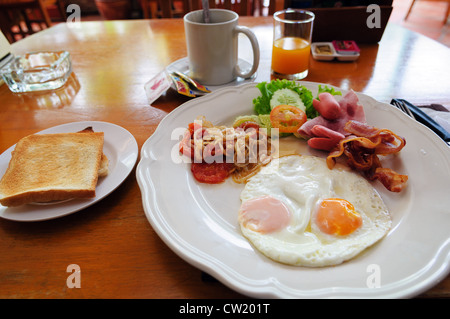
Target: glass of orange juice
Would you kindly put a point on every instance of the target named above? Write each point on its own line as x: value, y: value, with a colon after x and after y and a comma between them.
x: 291, y: 43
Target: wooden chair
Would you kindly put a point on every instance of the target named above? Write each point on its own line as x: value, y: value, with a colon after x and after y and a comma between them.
x: 242, y: 7
x: 174, y: 8
x: 447, y: 13
x: 260, y: 10
x: 164, y: 8
x: 18, y: 17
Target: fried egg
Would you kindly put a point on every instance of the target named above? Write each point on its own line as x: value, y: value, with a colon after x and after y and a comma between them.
x: 297, y: 211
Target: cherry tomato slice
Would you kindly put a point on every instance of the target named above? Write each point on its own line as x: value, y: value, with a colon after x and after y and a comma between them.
x: 287, y: 118
x: 249, y: 124
x: 211, y: 173
x: 185, y: 147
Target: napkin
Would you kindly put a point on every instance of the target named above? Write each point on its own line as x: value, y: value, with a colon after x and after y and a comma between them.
x: 156, y: 86
x: 439, y: 113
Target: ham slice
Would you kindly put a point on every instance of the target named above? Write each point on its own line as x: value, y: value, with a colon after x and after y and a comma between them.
x: 342, y: 129
x: 325, y: 131
x: 326, y: 138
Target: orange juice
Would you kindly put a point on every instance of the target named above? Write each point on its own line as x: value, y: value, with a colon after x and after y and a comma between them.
x: 290, y: 55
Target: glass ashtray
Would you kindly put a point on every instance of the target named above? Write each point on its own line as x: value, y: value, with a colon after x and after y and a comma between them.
x: 37, y: 71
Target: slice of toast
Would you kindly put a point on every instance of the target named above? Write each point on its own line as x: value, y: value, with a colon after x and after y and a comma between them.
x: 53, y: 167
x: 103, y: 170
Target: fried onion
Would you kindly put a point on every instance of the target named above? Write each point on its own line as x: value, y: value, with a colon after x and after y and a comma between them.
x: 247, y: 149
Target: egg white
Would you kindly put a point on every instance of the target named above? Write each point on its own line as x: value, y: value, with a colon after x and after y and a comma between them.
x: 301, y: 182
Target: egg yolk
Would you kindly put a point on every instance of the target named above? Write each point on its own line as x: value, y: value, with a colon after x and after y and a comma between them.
x: 337, y: 216
x: 264, y: 214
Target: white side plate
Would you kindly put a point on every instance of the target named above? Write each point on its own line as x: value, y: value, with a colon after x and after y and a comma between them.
x: 119, y: 146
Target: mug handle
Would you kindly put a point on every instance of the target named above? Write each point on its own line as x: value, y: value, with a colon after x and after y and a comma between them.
x: 255, y: 46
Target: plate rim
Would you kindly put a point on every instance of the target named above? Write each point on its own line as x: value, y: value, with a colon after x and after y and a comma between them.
x: 271, y: 291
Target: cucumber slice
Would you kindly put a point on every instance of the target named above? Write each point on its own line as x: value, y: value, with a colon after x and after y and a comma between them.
x: 265, y: 121
x: 286, y: 96
x: 244, y: 118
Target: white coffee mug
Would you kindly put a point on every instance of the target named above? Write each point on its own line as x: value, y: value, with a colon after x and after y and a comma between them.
x: 213, y: 47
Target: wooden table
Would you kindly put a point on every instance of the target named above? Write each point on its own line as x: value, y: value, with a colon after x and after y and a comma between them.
x: 118, y: 252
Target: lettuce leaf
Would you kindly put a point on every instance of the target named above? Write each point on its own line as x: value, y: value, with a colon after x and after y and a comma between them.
x: 332, y: 91
x: 261, y: 104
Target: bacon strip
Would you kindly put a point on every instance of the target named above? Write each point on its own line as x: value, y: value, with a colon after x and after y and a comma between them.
x: 391, y: 180
x: 387, y: 142
x: 362, y: 148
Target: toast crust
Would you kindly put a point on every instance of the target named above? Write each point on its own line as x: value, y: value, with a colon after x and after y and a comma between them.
x: 52, y: 167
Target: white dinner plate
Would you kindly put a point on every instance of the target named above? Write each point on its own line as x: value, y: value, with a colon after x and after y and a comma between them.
x: 119, y: 146
x: 199, y: 221
x: 182, y: 65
